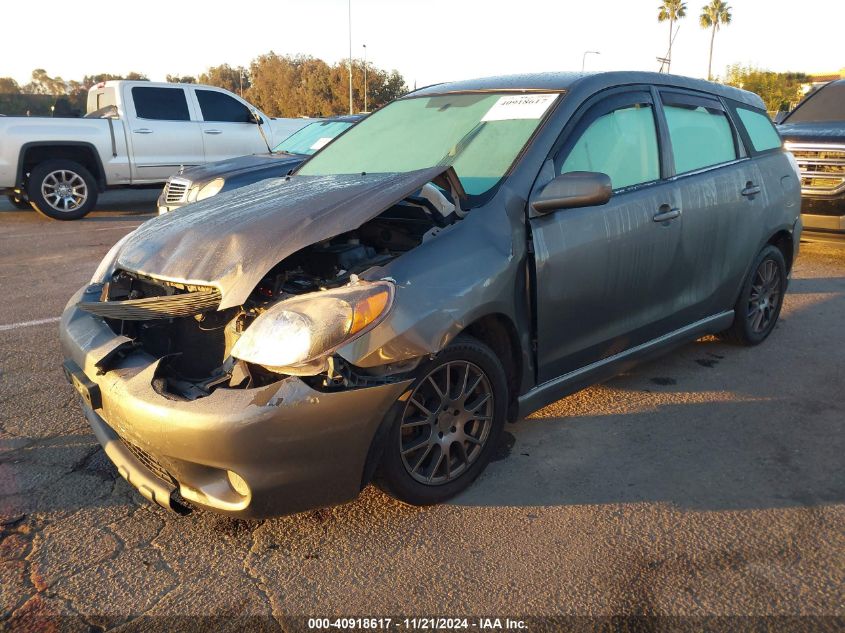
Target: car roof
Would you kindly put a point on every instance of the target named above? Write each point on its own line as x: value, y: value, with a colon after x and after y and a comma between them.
x: 588, y: 83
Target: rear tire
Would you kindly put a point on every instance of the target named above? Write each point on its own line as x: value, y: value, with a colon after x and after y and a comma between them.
x: 19, y: 203
x: 62, y: 189
x: 757, y: 310
x: 444, y: 433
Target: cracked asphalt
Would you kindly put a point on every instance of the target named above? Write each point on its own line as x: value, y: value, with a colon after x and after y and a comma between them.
x: 710, y: 482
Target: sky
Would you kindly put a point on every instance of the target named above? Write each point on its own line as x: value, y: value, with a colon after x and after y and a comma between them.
x: 428, y: 41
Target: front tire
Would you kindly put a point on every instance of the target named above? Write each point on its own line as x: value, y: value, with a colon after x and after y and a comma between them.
x: 62, y: 189
x: 760, y: 301
x: 444, y: 433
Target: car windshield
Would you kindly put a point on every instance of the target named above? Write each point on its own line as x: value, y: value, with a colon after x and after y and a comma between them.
x: 826, y: 104
x: 479, y: 134
x: 312, y: 137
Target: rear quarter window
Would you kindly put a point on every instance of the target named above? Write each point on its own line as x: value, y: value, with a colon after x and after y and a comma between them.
x: 760, y: 129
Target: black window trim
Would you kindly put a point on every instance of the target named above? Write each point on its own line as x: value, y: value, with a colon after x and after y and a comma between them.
x: 597, y: 106
x: 143, y: 118
x: 709, y: 100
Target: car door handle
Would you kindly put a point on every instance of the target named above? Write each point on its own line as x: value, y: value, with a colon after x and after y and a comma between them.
x: 213, y: 131
x: 666, y: 213
x: 143, y: 130
x: 750, y: 190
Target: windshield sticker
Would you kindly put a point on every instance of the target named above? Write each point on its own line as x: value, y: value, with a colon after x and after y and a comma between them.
x: 519, y: 107
x: 320, y: 143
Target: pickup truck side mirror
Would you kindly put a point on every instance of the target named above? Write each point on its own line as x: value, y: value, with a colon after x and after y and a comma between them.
x: 574, y: 189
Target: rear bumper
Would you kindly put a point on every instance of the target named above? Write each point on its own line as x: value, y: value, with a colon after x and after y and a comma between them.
x: 291, y: 447
x: 824, y: 218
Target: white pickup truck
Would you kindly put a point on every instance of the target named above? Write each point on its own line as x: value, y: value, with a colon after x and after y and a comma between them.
x: 136, y: 133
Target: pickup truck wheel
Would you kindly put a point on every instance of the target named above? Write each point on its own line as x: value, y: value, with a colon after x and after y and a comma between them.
x: 62, y: 189
x: 19, y: 203
x: 445, y: 432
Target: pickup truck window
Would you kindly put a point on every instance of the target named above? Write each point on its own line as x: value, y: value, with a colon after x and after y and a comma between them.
x: 161, y: 104
x: 825, y: 104
x: 700, y: 132
x: 216, y: 106
x: 760, y: 129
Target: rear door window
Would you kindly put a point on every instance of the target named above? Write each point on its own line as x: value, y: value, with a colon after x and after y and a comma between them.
x: 699, y: 130
x: 622, y: 144
x: 161, y: 104
x: 760, y: 129
x: 216, y: 106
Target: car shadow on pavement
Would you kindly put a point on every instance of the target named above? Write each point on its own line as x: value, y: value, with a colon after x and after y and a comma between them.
x: 709, y: 456
x: 817, y: 285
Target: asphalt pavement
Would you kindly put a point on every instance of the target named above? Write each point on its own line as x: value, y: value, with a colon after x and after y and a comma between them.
x: 710, y: 482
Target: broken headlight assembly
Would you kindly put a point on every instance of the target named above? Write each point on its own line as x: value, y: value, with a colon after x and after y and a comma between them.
x: 295, y: 336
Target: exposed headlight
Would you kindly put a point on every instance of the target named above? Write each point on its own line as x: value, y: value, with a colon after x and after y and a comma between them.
x: 106, y: 267
x: 210, y: 189
x: 296, y: 335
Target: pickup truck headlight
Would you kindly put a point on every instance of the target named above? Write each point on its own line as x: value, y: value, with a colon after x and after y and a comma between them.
x: 296, y: 335
x: 210, y: 189
x: 106, y: 267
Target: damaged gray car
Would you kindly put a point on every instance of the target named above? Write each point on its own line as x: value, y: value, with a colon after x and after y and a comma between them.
x: 461, y: 258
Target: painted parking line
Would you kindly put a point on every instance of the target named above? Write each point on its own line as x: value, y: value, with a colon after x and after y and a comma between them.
x: 42, y: 234
x: 22, y: 324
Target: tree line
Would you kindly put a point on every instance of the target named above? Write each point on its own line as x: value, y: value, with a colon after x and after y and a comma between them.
x: 280, y: 85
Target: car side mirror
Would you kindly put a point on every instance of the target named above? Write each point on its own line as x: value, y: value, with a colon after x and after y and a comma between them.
x: 574, y: 189
x: 780, y: 115
x: 255, y: 118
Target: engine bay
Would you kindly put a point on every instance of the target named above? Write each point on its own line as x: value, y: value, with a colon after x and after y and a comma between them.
x: 195, y: 351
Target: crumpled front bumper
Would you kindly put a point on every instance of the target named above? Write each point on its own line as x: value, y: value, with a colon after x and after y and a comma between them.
x: 294, y: 447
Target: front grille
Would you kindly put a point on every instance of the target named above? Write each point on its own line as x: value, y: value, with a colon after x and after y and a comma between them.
x: 151, y: 463
x: 822, y: 168
x: 176, y: 190
x: 149, y: 308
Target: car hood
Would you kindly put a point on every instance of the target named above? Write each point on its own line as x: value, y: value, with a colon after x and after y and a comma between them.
x: 231, y: 240
x: 234, y: 166
x: 823, y: 132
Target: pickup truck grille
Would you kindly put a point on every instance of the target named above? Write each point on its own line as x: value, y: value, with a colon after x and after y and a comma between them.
x: 176, y: 190
x: 822, y: 168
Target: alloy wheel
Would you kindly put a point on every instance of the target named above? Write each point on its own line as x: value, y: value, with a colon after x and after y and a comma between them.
x: 64, y: 190
x: 446, y: 422
x: 764, y: 300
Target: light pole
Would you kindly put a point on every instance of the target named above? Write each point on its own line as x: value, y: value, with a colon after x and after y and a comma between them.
x: 584, y: 58
x: 365, y: 78
x: 350, y: 57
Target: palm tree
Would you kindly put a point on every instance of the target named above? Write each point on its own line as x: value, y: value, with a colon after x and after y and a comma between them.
x: 671, y: 10
x: 713, y: 16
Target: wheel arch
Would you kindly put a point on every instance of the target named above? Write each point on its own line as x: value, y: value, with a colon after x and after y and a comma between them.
x: 498, y: 332
x: 33, y: 153
x: 782, y: 240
